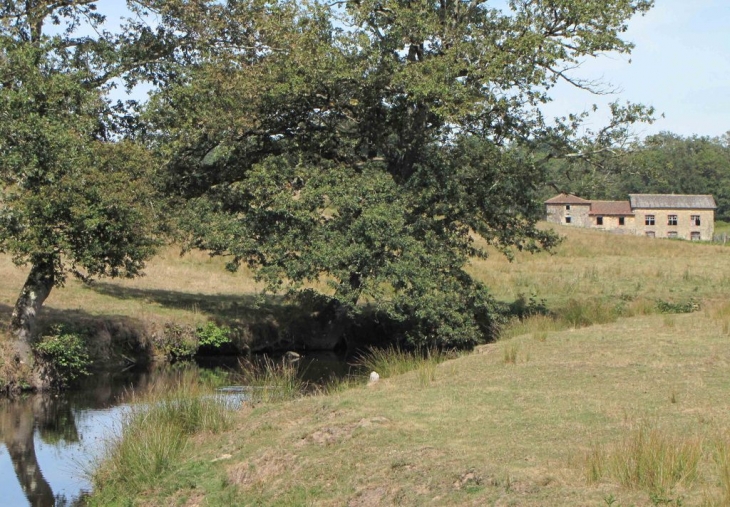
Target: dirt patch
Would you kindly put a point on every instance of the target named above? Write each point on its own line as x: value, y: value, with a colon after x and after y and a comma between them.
x: 270, y: 469
x: 369, y: 498
x: 330, y: 435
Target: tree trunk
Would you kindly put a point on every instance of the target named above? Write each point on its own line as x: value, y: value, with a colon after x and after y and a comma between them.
x: 25, y: 314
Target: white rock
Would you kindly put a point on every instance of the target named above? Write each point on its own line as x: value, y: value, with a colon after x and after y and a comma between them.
x: 374, y: 377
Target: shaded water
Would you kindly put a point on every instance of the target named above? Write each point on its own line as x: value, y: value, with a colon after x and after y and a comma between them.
x: 48, y: 443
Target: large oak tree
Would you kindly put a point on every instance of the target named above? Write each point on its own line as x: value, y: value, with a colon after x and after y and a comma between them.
x: 372, y: 145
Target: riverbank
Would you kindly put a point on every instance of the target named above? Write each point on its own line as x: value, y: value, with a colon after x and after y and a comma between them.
x: 539, y: 419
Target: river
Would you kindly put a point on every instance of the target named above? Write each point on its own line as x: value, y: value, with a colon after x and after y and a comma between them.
x: 49, y: 442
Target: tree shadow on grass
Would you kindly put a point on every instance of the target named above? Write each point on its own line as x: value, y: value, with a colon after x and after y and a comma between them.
x: 228, y: 308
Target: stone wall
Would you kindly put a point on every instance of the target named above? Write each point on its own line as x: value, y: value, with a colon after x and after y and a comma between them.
x: 611, y: 223
x: 577, y: 213
x: 683, y: 228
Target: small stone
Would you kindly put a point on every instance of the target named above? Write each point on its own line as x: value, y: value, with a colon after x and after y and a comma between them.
x: 374, y: 377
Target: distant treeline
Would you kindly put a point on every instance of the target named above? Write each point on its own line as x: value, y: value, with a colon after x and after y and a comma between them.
x: 664, y: 163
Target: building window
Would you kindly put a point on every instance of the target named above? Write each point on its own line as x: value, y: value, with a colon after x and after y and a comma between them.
x: 672, y: 234
x: 695, y: 220
x: 621, y: 220
x: 672, y: 220
x: 567, y: 207
x: 567, y: 220
x: 599, y: 220
x: 649, y: 220
x: 694, y: 236
x: 650, y: 234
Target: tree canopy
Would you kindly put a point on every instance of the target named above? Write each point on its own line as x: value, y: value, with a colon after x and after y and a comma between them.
x: 370, y: 146
x: 75, y: 195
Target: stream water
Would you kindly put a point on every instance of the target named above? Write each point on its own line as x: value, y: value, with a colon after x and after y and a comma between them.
x: 49, y: 442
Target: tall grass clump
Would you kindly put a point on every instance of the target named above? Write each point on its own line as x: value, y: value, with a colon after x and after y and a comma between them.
x: 155, y: 430
x: 649, y: 459
x: 269, y: 380
x: 722, y: 461
x: 392, y: 361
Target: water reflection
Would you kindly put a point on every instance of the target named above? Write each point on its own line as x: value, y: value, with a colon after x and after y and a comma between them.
x: 49, y: 442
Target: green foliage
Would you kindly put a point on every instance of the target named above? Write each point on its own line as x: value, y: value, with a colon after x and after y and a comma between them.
x: 687, y: 306
x: 179, y: 342
x: 212, y: 335
x: 64, y: 353
x: 371, y: 159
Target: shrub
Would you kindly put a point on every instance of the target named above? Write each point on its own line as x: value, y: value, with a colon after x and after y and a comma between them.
x: 688, y: 306
x: 523, y: 307
x: 64, y: 354
x: 212, y: 335
x: 176, y: 342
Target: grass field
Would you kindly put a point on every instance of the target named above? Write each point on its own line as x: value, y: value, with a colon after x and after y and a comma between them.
x: 589, y: 265
x: 630, y: 412
x: 487, y: 431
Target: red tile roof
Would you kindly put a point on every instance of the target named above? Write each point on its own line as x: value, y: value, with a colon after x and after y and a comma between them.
x: 611, y: 208
x: 567, y: 199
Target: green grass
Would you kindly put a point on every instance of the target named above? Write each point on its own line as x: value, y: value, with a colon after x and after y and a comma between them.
x: 270, y: 381
x: 649, y: 458
x: 392, y: 361
x: 158, y: 428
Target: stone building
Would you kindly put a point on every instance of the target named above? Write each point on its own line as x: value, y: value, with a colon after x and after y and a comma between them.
x: 568, y: 209
x: 655, y: 215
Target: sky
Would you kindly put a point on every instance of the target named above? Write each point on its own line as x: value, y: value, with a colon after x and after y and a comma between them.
x: 680, y: 65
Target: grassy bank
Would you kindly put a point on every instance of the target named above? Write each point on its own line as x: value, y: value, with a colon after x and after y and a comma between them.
x: 592, y: 277
x: 577, y: 417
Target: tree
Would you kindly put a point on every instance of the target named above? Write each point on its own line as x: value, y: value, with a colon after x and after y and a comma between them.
x: 369, y: 145
x: 75, y: 196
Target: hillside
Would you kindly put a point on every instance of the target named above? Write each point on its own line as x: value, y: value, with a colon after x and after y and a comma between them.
x: 588, y: 264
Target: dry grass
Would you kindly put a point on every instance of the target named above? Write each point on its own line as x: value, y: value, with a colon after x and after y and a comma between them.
x: 648, y: 458
x: 597, y: 265
x: 481, y: 433
x: 476, y: 431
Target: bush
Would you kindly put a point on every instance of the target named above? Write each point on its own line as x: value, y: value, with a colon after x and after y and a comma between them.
x: 176, y: 342
x: 64, y: 354
x: 212, y: 335
x: 688, y: 306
